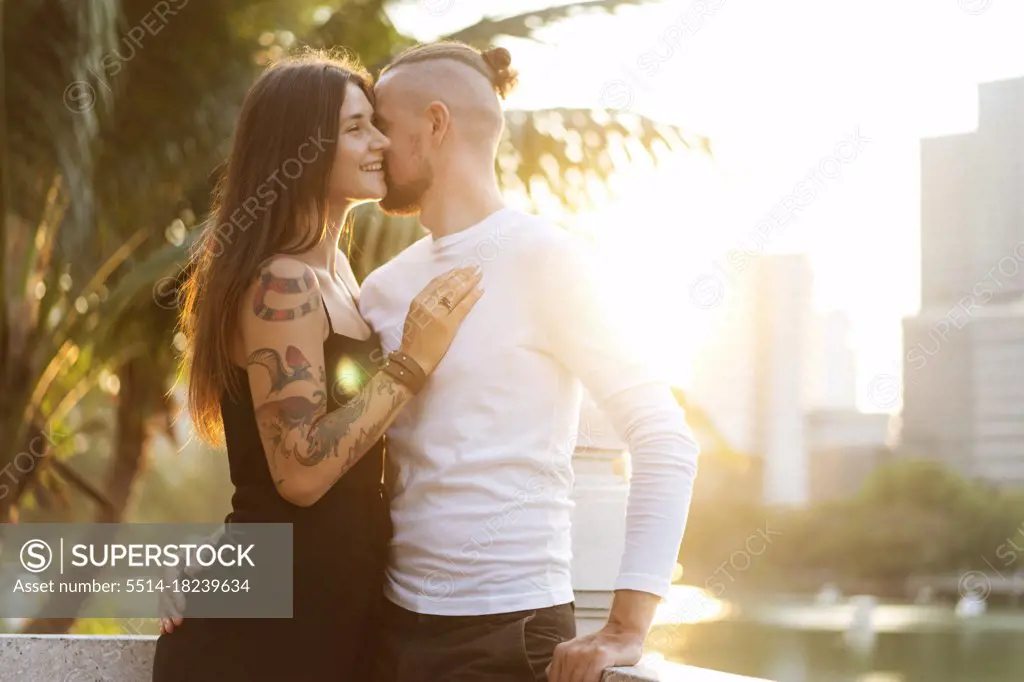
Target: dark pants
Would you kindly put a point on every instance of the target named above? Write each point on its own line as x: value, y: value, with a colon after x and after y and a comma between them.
x: 504, y: 647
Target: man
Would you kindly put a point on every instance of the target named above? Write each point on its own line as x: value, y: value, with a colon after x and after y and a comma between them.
x: 479, y: 585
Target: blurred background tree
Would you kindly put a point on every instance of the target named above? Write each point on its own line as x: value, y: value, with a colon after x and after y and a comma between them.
x: 911, y: 519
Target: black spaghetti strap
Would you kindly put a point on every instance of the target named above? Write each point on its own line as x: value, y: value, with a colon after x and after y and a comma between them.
x: 330, y: 325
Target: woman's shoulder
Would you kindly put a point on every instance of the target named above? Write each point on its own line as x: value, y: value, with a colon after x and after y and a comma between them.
x: 284, y: 266
x: 282, y: 274
x: 283, y: 288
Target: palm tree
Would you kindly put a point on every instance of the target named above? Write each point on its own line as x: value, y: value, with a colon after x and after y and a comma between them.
x: 48, y: 208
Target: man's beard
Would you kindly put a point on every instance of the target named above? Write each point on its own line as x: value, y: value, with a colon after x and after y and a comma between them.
x: 404, y: 200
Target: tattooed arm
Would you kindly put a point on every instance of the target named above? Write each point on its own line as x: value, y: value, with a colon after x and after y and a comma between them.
x: 283, y: 328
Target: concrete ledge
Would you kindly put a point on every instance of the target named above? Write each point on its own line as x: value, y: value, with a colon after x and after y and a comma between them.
x: 653, y: 670
x: 66, y: 658
x: 89, y: 658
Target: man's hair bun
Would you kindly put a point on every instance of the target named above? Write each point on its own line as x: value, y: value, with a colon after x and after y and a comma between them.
x: 500, y: 61
x: 498, y: 57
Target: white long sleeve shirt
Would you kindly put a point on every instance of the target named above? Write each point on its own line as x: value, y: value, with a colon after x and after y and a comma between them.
x: 480, y: 461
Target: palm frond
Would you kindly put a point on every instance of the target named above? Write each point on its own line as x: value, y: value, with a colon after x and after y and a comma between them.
x: 51, y: 51
x: 566, y: 150
x: 377, y: 238
x: 62, y: 94
x: 525, y: 25
x: 347, y: 27
x: 76, y: 480
x: 78, y: 318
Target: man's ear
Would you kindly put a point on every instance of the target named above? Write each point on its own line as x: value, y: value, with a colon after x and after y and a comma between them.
x: 440, y: 120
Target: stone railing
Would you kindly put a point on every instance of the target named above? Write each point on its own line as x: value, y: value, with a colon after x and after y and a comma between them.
x: 97, y: 658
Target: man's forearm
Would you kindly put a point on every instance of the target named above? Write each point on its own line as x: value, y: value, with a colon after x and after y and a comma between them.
x: 633, y: 611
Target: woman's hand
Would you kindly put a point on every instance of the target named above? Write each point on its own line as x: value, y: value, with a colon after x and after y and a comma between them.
x: 172, y: 603
x: 436, y: 313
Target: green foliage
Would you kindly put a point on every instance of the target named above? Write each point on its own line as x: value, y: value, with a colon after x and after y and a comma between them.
x: 923, y: 484
x: 911, y: 518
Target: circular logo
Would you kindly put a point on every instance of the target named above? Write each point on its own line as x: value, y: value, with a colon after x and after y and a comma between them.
x: 884, y: 391
x: 438, y: 586
x: 975, y: 586
x: 79, y: 97
x: 975, y: 7
x: 437, y: 8
x: 36, y: 556
x: 166, y: 293
x: 617, y: 96
x: 660, y: 638
x: 707, y: 291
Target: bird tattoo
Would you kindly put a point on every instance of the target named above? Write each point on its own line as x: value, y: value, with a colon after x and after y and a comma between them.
x: 294, y: 367
x: 286, y: 422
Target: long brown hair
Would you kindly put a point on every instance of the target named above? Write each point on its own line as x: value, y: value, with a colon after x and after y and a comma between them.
x: 271, y: 199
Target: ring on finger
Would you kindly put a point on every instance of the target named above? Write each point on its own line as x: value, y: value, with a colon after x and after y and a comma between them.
x: 447, y: 303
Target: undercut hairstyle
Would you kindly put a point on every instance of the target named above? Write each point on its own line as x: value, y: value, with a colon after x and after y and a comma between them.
x: 494, y: 64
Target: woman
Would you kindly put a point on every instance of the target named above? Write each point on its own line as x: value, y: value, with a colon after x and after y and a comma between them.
x: 281, y: 368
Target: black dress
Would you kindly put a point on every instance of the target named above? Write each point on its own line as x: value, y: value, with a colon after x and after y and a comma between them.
x: 340, y: 546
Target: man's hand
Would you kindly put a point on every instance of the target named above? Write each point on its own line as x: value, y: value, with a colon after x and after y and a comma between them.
x: 619, y: 642
x: 584, y: 659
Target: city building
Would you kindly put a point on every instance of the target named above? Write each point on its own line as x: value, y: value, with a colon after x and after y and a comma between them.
x: 832, y: 366
x: 846, y: 446
x: 752, y: 378
x: 964, y: 352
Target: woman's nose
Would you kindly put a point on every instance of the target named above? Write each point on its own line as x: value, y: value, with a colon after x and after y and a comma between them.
x: 381, y: 142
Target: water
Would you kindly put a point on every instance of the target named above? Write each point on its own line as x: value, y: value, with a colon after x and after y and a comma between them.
x: 799, y: 641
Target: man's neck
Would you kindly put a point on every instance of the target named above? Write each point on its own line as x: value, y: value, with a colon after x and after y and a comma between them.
x: 459, y: 204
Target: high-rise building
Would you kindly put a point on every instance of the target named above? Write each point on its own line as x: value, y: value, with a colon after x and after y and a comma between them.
x: 964, y: 353
x: 832, y: 366
x: 752, y: 376
x: 845, y: 447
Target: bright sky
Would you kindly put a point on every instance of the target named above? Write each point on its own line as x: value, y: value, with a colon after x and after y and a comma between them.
x: 777, y: 86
